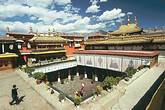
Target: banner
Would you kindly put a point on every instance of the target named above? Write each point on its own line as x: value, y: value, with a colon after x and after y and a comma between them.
x: 100, y: 61
x: 89, y: 60
x: 114, y: 63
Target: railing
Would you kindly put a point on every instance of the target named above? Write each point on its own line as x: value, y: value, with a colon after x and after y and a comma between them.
x: 45, y: 50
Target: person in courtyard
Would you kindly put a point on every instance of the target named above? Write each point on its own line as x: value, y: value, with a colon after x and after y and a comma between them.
x: 14, y: 95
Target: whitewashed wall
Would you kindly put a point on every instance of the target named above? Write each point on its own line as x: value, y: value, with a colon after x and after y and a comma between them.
x: 116, y: 63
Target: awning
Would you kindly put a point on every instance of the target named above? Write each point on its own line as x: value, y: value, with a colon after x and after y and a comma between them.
x: 8, y: 55
x: 37, y: 53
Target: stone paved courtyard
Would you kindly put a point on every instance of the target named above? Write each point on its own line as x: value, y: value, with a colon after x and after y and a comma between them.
x: 71, y: 87
x: 32, y: 100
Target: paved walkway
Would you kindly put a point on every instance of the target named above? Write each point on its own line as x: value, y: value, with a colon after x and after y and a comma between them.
x: 32, y: 100
x: 139, y: 87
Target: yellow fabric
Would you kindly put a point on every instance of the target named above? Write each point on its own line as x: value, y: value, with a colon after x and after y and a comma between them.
x: 7, y: 56
x: 48, y: 52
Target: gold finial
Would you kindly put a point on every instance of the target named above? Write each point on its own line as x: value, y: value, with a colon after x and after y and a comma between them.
x: 31, y: 30
x: 53, y: 30
x: 149, y: 29
x: 162, y: 28
x: 49, y: 31
x: 128, y: 20
x: 155, y: 28
x: 135, y: 21
x: 99, y: 32
x: 121, y: 22
x: 8, y: 29
x: 80, y: 33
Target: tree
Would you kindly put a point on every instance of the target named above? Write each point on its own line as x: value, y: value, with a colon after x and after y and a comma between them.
x: 118, y: 79
x: 130, y: 71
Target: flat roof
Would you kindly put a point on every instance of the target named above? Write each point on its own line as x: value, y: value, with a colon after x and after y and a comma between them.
x: 120, y: 52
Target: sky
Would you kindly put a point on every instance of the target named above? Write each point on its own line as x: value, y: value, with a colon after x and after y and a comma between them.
x: 80, y: 16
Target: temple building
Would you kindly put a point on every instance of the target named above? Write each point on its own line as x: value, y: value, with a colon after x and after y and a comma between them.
x: 130, y: 37
x: 128, y: 29
x: 75, y: 43
x: 8, y: 58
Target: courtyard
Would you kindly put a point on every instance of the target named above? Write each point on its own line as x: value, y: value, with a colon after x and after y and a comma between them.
x: 71, y: 87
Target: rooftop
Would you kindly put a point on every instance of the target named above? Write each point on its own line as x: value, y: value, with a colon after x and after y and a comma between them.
x: 120, y: 52
x: 7, y: 38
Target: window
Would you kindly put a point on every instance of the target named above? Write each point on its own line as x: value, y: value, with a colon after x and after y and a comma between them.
x: 6, y: 64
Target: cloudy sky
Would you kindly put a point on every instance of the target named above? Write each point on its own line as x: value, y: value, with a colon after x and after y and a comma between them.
x: 78, y: 15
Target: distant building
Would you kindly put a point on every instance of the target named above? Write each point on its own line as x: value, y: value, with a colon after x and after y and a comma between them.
x: 75, y: 43
x: 130, y: 37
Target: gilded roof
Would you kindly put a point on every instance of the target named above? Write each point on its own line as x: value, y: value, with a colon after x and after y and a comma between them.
x: 14, y: 33
x: 118, y: 42
x: 129, y: 28
x: 48, y: 39
x: 7, y: 38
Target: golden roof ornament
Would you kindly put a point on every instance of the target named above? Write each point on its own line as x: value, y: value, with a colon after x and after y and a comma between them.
x: 53, y: 30
x: 149, y: 29
x: 99, y: 32
x: 135, y: 21
x: 155, y: 28
x: 162, y: 28
x: 128, y: 20
x: 80, y: 33
x: 31, y: 30
x: 49, y: 31
x: 120, y: 22
x: 8, y: 29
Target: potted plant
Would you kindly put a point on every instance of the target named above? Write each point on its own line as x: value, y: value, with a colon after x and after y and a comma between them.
x: 81, y: 77
x: 93, y: 79
x: 72, y: 77
x: 77, y: 101
x: 39, y: 76
x: 130, y: 71
x: 61, y: 97
x: 99, y: 90
x: 47, y: 85
x: 29, y: 71
x: 62, y: 81
x: 117, y: 80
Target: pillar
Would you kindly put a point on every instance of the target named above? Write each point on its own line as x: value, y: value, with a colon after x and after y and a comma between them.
x: 69, y: 77
x: 3, y: 48
x: 58, y: 77
x: 77, y: 73
x: 85, y: 74
x: 96, y: 78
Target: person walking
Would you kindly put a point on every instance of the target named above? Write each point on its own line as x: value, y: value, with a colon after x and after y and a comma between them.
x: 14, y: 95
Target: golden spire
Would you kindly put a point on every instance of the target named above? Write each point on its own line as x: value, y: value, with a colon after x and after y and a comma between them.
x: 80, y: 33
x: 53, y: 30
x: 49, y: 31
x: 135, y: 21
x: 155, y: 28
x: 99, y: 32
x: 8, y: 29
x: 149, y: 29
x: 121, y: 22
x: 31, y: 30
x: 36, y: 30
x: 128, y: 20
x: 162, y: 28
